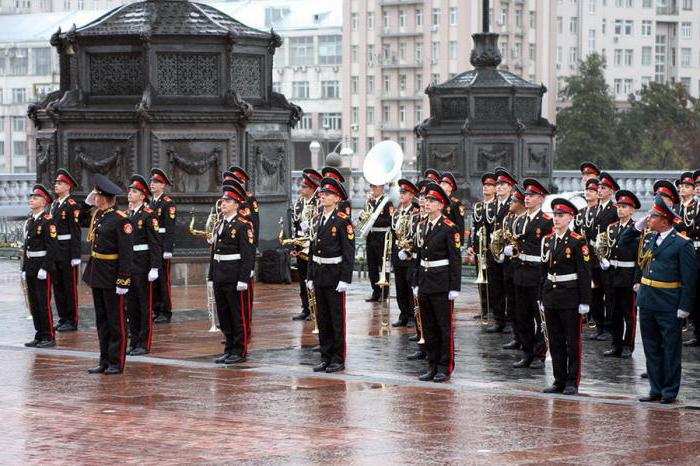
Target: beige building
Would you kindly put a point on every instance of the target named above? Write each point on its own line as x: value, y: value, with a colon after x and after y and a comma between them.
x: 393, y: 49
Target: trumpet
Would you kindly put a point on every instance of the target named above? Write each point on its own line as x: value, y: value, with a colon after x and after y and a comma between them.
x: 481, y: 259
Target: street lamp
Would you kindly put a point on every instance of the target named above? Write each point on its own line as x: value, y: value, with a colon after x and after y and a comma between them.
x: 315, y: 149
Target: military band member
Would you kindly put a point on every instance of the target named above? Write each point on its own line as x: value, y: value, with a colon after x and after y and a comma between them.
x: 232, y: 259
x: 40, y: 250
x: 108, y: 273
x: 330, y: 272
x: 375, y: 240
x: 433, y: 175
x: 66, y: 212
x: 589, y: 170
x: 566, y: 295
x: 694, y: 235
x: 455, y: 210
x: 147, y: 259
x: 403, y: 259
x: 166, y: 211
x: 332, y: 172
x: 422, y: 215
x: 483, y: 215
x: 437, y: 283
x: 687, y: 208
x: 527, y: 275
x: 583, y: 223
x: 666, y: 282
x: 307, y: 200
x: 516, y: 210
x: 621, y: 266
x: 696, y: 176
x: 668, y: 192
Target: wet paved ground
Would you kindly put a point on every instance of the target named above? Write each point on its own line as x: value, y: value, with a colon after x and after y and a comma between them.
x: 176, y: 407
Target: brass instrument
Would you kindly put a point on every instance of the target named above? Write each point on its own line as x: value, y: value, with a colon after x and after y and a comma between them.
x: 365, y: 214
x: 502, y: 237
x: 384, y: 280
x: 643, y: 258
x: 604, y: 245
x: 481, y: 257
x: 311, y: 295
x: 382, y: 165
x: 419, y: 320
x: 208, y: 233
x: 403, y: 229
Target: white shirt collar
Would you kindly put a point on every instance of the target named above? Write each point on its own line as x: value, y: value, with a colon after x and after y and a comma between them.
x: 534, y: 214
x: 157, y: 198
x: 63, y: 199
x: 662, y: 236
x: 603, y: 205
x: 228, y: 219
x: 37, y: 215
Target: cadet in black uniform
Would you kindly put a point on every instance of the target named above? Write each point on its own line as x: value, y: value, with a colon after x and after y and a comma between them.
x: 589, y: 170
x: 332, y: 172
x: 516, y: 211
x: 65, y: 212
x: 583, y: 223
x: 166, y: 211
x: 483, y: 215
x: 402, y: 259
x: 300, y: 228
x: 108, y: 273
x: 455, y: 210
x: 566, y: 295
x: 375, y: 239
x: 232, y: 260
x: 622, y: 263
x: 330, y: 272
x: 432, y: 175
x: 687, y: 206
x: 437, y: 283
x: 694, y: 235
x: 40, y: 251
x: 527, y: 275
x: 147, y: 260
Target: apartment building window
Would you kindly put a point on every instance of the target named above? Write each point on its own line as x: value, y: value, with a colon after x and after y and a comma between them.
x: 330, y: 50
x: 592, y: 6
x: 452, y: 49
x: 355, y: 85
x: 386, y: 114
x: 604, y: 26
x: 629, y: 60
x: 402, y: 82
x: 402, y: 19
x: 402, y: 114
x: 435, y: 78
x: 688, y: 5
x: 646, y: 56
x: 629, y: 27
x: 419, y: 17
x: 646, y: 3
x: 300, y: 89
x: 306, y: 122
x: 81, y: 4
x: 532, y: 52
x: 19, y: 148
x: 330, y: 120
x: 533, y: 20
x: 646, y: 28
x: 617, y: 84
x: 419, y: 52
x: 516, y: 52
x: 19, y: 95
x: 18, y: 124
x: 370, y: 85
x: 419, y: 113
x: 519, y: 19
x: 301, y: 50
x: 387, y: 84
x: 356, y: 115
x: 646, y: 80
x: 573, y: 25
x: 18, y: 61
x: 370, y: 115
x: 386, y: 20
x: 630, y: 3
x: 277, y: 87
x: 330, y: 89
x: 685, y: 57
x: 386, y: 52
x: 573, y: 55
x: 560, y: 25
x: 1, y: 101
x: 660, y: 58
x: 370, y: 142
x: 355, y: 53
x: 618, y: 3
x: 686, y: 83
x: 66, y: 5
x: 402, y: 51
x: 42, y: 60
x: 686, y: 30
x: 44, y: 5
x: 591, y: 40
x: 559, y: 55
x: 370, y: 21
x: 618, y: 26
x: 617, y: 57
x: 402, y: 143
x: 436, y: 16
x: 503, y: 20
x: 435, y: 51
x: 453, y: 16
x: 419, y: 83
x: 370, y: 53
x: 354, y: 21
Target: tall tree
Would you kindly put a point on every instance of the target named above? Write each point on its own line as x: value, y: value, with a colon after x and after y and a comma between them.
x: 586, y: 127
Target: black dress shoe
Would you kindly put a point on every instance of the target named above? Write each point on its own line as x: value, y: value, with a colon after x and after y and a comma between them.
x: 138, y: 351
x: 613, y: 353
x: 413, y: 338
x: 524, y: 362
x: 67, y: 327
x: 97, y: 369
x: 46, y: 344
x: 495, y: 328
x: 570, y: 390
x: 667, y: 401
x: 301, y: 316
x: 441, y: 377
x: 479, y: 316
x: 234, y: 359
x: 129, y: 349
x: 602, y: 336
x: 111, y: 370
x: 372, y: 299
x: 161, y: 320
x: 31, y: 344
x: 626, y: 353
x: 321, y: 367
x: 411, y: 324
x: 650, y: 398
x: 335, y: 367
x: 316, y: 349
x: 416, y: 356
x: 554, y: 388
x: 537, y: 364
x: 513, y: 345
x: 644, y: 375
x: 692, y: 342
x: 221, y: 359
x: 427, y: 376
x: 399, y: 323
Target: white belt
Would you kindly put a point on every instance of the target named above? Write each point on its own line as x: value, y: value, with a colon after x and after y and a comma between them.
x: 529, y: 258
x: 569, y: 277
x: 379, y: 230
x: 622, y: 264
x: 31, y: 254
x: 696, y: 244
x: 140, y: 247
x: 161, y: 230
x: 437, y: 263
x: 63, y: 237
x: 328, y: 260
x: 226, y: 257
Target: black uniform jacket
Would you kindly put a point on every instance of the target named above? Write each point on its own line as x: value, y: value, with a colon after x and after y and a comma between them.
x: 251, y: 212
x: 67, y: 218
x: 166, y: 212
x: 571, y: 256
x: 583, y: 223
x: 455, y: 212
x: 335, y: 238
x: 111, y: 251
x: 484, y: 214
x: 383, y: 220
x: 147, y: 251
x: 233, y: 236
x: 687, y: 213
x: 413, y: 210
x: 623, y: 257
x: 527, y: 269
x: 40, y: 235
x: 443, y: 243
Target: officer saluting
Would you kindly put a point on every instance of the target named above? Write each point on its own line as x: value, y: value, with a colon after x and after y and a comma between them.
x: 332, y: 256
x: 566, y: 293
x: 166, y: 211
x: 66, y: 213
x: 437, y: 283
x: 40, y: 250
x: 108, y: 273
x: 147, y: 261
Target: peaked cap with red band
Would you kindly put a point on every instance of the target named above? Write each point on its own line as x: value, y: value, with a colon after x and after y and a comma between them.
x: 532, y: 186
x: 239, y: 173
x: 64, y: 175
x: 433, y: 175
x: 313, y: 174
x: 589, y: 168
x: 435, y: 191
x: 41, y: 191
x: 592, y: 184
x: 159, y: 175
x: 449, y: 178
x: 608, y: 180
x: 488, y: 178
x: 503, y: 176
x: 139, y: 182
x: 626, y: 197
x: 518, y: 194
x: 696, y: 176
x: 667, y: 189
x: 686, y: 178
x: 406, y: 185
x: 422, y: 184
x: 660, y: 209
x: 231, y: 193
x: 333, y: 186
x: 563, y: 206
x: 332, y: 172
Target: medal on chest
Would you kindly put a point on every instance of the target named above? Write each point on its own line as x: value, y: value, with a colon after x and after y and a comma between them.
x: 63, y: 215
x: 567, y: 251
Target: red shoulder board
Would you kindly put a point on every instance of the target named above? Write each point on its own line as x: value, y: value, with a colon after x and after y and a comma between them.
x: 167, y: 199
x: 682, y: 235
x: 71, y: 202
x: 574, y: 235
x: 245, y: 220
x: 546, y: 216
x: 449, y: 223
x: 342, y: 215
x: 549, y: 235
x: 422, y: 221
x: 120, y: 213
x: 454, y: 199
x: 677, y: 221
x: 147, y: 210
x: 48, y: 216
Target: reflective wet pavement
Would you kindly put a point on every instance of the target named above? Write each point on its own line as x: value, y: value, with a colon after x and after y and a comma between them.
x: 175, y: 406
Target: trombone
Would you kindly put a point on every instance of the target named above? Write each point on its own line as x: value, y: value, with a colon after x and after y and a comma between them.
x: 208, y: 233
x: 482, y: 276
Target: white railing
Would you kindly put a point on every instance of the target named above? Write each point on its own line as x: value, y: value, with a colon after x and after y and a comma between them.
x: 14, y: 188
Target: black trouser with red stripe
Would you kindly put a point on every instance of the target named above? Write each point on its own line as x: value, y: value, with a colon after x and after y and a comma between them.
x: 528, y: 323
x: 233, y: 318
x: 436, y: 313
x: 303, y: 269
x: 39, y: 293
x: 404, y: 295
x: 139, y: 310
x: 162, y: 305
x: 330, y: 314
x: 110, y: 318
x: 623, y: 321
x: 496, y: 290
x: 65, y: 290
x: 248, y: 296
x: 564, y: 332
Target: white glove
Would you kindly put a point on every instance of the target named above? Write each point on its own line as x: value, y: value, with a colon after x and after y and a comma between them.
x: 241, y: 286
x: 309, y: 285
x: 121, y: 290
x: 642, y: 224
x: 452, y: 295
x: 508, y: 250
x: 152, y: 275
x: 24, y: 276
x: 74, y: 262
x: 415, y: 291
x: 342, y: 286
x: 683, y: 314
x: 304, y: 226
x: 41, y: 274
x: 90, y: 199
x: 604, y: 264
x: 210, y: 284
x: 636, y: 287
x: 500, y: 259
x: 403, y: 255
x: 252, y: 273
x: 167, y: 255
x: 583, y: 309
